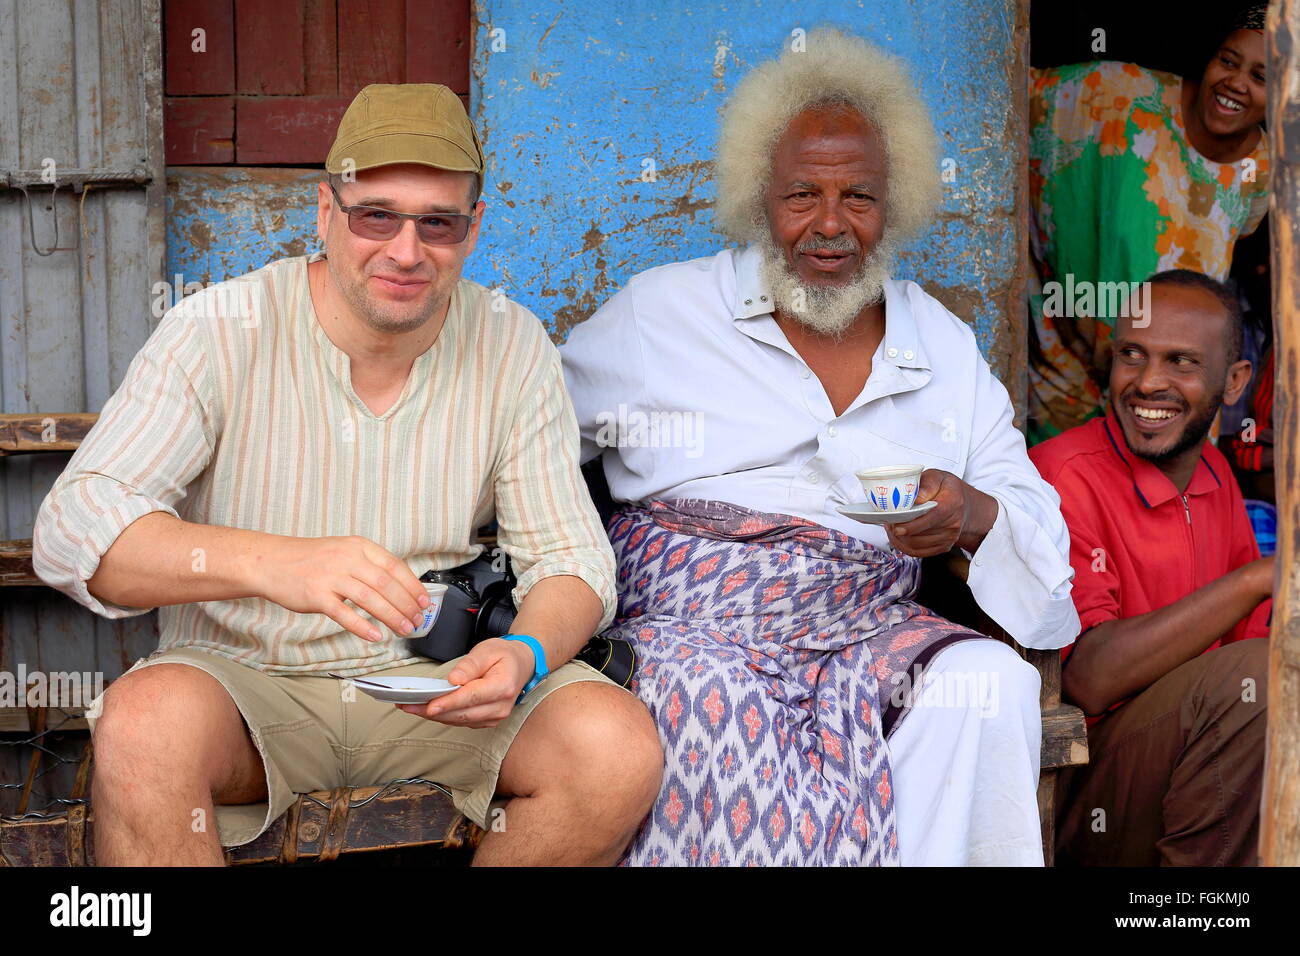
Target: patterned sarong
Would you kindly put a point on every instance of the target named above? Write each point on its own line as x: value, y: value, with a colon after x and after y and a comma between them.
x: 767, y: 650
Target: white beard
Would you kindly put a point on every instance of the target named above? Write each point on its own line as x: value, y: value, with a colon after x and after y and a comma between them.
x: 826, y: 310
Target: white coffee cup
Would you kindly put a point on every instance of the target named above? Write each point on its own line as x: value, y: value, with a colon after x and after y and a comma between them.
x: 430, y: 616
x: 892, y: 488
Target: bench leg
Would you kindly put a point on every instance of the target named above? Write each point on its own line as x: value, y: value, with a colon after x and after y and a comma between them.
x: 1047, y: 813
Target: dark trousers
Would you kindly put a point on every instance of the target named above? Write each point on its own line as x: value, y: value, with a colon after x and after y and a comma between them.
x: 1175, y: 776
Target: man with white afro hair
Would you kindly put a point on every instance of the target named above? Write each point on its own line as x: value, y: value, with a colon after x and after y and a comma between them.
x: 810, y: 711
x: 845, y: 78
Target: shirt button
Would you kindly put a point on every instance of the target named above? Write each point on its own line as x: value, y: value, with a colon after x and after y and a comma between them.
x: 807, y: 373
x: 831, y: 431
x: 891, y: 352
x: 749, y: 302
x: 813, y: 479
x: 907, y: 355
x: 762, y: 298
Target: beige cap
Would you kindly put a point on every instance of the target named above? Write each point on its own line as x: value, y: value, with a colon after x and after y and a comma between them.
x: 421, y: 123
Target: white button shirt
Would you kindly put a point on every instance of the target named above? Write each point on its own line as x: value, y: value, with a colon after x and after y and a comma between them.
x: 691, y: 390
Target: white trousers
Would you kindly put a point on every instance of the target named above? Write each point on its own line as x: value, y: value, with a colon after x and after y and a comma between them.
x: 965, y: 761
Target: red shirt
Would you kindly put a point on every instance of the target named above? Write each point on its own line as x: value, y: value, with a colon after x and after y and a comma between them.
x: 1136, y: 544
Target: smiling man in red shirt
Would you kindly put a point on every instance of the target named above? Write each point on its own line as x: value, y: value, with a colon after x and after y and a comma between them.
x: 1168, y: 585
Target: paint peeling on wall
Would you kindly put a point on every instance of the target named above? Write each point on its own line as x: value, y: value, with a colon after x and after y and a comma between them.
x: 226, y: 221
x: 603, y: 169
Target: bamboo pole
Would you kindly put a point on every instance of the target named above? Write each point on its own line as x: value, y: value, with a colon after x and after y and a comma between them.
x: 1280, y: 813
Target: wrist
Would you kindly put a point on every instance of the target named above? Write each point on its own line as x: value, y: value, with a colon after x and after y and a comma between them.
x: 524, y: 657
x: 259, y: 561
x: 540, y: 667
x: 983, y: 514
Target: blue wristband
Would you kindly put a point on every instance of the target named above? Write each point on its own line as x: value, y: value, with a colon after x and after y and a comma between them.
x: 539, y: 661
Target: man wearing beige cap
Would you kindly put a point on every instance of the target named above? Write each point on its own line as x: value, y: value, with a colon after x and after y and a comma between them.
x: 289, y: 452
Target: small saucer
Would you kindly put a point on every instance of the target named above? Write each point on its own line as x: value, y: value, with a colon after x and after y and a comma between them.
x: 404, y: 690
x: 867, y: 514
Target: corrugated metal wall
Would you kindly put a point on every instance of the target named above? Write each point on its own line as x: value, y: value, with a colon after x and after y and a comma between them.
x: 80, y: 84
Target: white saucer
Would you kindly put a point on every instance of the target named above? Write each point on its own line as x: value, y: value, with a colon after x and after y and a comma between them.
x: 867, y: 513
x: 404, y: 690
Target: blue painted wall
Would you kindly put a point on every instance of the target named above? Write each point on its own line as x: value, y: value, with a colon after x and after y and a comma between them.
x: 226, y: 221
x: 574, y: 97
x: 582, y: 94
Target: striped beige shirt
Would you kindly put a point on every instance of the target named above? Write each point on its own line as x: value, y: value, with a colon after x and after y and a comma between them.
x: 239, y: 411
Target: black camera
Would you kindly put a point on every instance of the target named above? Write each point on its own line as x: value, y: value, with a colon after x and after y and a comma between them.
x: 478, y: 605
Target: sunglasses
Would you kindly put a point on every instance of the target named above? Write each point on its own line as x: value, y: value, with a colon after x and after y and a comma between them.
x: 377, y: 223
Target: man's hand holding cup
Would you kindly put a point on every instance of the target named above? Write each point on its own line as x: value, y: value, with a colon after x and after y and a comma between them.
x: 338, y: 577
x: 962, y: 515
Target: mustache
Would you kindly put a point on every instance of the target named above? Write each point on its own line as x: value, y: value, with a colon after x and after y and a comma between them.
x: 1168, y: 398
x: 838, y: 244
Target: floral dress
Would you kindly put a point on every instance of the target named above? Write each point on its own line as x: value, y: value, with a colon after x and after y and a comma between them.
x: 1117, y: 193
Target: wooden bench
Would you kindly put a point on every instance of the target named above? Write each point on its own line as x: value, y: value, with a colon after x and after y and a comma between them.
x: 321, y: 826
x: 410, y: 813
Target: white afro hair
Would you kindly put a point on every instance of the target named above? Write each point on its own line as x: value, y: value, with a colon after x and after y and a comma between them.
x: 835, y: 69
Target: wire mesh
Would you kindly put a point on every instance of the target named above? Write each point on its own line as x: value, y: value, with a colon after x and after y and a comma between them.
x: 43, y: 765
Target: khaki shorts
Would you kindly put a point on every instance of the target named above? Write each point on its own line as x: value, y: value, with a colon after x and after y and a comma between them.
x: 314, y: 733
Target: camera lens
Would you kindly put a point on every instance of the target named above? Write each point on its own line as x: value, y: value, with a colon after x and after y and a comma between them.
x: 496, y: 619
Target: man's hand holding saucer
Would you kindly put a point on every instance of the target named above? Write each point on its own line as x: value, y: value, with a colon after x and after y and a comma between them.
x: 490, y: 676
